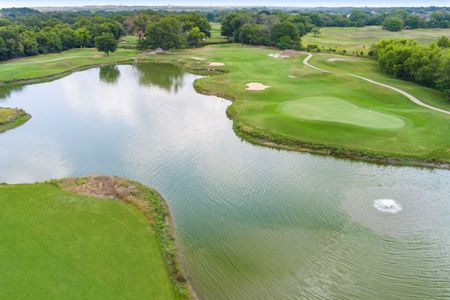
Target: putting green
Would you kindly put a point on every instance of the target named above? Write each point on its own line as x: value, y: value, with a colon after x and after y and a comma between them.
x: 333, y: 109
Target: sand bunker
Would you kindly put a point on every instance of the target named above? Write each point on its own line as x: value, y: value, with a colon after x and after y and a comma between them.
x: 216, y: 64
x: 284, y: 54
x: 196, y: 58
x: 256, y: 86
x: 333, y: 59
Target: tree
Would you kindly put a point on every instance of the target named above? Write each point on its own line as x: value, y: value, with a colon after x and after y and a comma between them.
x: 315, y: 31
x: 393, y: 24
x: 166, y: 33
x: 253, y: 34
x: 443, y: 42
x: 106, y: 43
x: 283, y: 30
x: 83, y: 37
x: 195, y: 37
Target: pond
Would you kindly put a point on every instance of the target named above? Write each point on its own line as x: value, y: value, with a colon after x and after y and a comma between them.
x: 251, y: 222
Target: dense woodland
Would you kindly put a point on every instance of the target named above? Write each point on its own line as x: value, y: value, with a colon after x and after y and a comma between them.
x: 426, y: 65
x: 27, y: 32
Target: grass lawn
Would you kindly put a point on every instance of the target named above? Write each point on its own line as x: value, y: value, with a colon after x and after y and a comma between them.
x: 59, y: 63
x: 11, y: 118
x: 58, y: 244
x: 361, y: 38
x: 128, y: 42
x: 332, y: 110
x: 216, y: 37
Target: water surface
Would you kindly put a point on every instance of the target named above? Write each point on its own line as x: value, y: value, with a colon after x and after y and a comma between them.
x: 252, y: 222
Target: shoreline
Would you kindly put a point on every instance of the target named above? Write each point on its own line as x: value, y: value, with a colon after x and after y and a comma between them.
x: 15, y: 122
x: 250, y: 134
x: 155, y: 209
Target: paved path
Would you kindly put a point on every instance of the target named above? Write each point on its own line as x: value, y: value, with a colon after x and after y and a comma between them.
x: 407, y: 95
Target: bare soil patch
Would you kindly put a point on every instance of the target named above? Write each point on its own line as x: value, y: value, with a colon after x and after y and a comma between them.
x: 106, y: 187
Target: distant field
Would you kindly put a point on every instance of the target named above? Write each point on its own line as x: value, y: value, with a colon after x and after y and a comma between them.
x: 57, y: 244
x: 361, y: 38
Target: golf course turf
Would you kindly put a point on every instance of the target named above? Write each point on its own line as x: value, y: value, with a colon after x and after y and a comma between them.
x: 87, y: 238
x: 306, y: 109
x: 11, y: 118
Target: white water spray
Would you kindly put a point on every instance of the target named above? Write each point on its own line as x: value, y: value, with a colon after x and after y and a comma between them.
x: 389, y: 206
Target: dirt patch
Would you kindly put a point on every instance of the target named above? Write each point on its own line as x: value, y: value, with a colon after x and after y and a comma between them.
x: 256, y: 86
x: 106, y: 187
x: 215, y: 64
x: 285, y: 54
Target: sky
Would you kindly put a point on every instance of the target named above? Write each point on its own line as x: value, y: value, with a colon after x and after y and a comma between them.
x: 296, y: 3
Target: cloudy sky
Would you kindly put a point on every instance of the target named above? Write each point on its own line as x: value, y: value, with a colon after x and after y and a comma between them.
x: 299, y: 3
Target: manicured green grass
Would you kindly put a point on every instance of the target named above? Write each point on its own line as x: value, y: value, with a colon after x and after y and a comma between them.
x: 361, y: 38
x: 128, y: 42
x: 57, y: 244
x: 370, y: 68
x: 58, y: 63
x: 216, y: 37
x: 257, y: 116
x: 332, y: 109
x: 11, y: 118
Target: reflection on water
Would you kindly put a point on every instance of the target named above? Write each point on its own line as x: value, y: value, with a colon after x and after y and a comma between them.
x: 109, y: 74
x: 252, y: 222
x: 6, y: 90
x: 167, y: 77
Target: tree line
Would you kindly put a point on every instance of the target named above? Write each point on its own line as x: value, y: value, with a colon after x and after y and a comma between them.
x: 27, y: 32
x: 426, y: 65
x: 409, y: 18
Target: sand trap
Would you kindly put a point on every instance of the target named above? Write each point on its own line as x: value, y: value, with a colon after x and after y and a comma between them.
x: 216, y: 64
x: 256, y: 86
x: 284, y: 54
x: 292, y: 76
x: 278, y: 55
x: 333, y: 59
x: 196, y: 58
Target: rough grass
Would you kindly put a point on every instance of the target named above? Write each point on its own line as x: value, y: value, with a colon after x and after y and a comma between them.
x: 11, y: 118
x: 361, y: 38
x: 57, y: 244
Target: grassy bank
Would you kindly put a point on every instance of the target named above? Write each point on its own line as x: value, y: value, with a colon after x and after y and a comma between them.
x: 87, y: 238
x: 361, y: 38
x: 11, y: 118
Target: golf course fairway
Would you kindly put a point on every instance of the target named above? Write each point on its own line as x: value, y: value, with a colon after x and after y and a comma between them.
x: 331, y: 112
x: 61, y: 241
